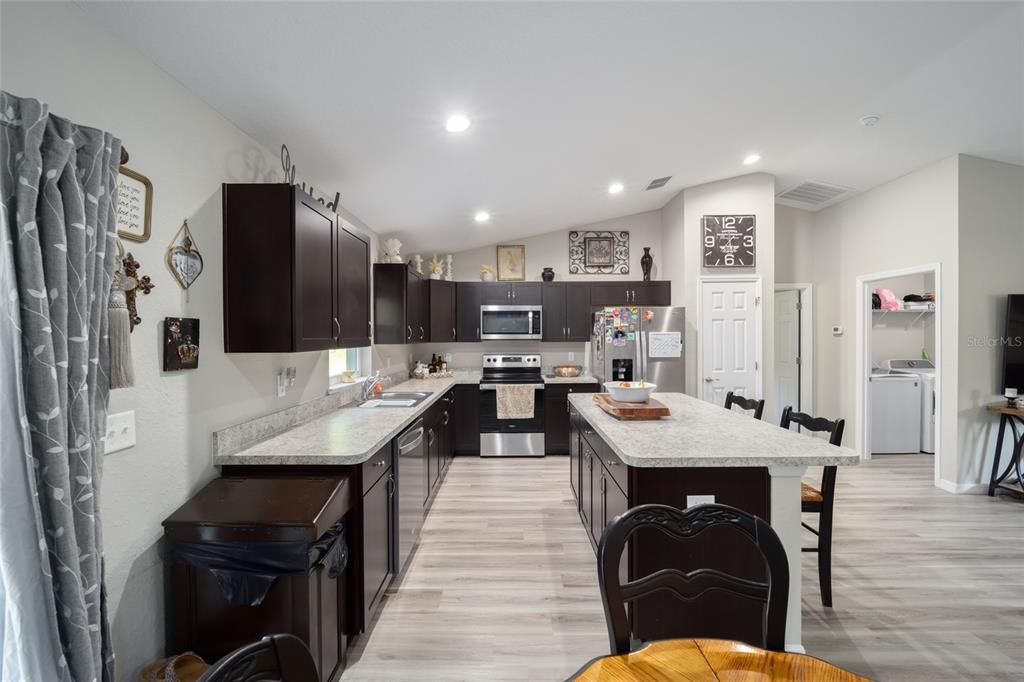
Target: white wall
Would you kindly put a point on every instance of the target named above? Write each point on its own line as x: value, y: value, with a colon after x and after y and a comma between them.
x: 58, y: 54
x: 793, y: 245
x: 991, y: 238
x: 910, y: 221
x: 551, y: 249
x: 753, y: 193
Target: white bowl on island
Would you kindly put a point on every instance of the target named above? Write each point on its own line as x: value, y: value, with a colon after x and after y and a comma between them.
x: 630, y: 391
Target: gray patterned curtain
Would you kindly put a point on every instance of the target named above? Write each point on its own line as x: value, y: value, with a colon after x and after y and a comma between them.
x: 58, y: 201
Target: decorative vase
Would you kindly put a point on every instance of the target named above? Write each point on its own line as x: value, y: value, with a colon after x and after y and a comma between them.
x: 487, y: 276
x: 548, y: 275
x: 646, y: 263
x: 435, y: 275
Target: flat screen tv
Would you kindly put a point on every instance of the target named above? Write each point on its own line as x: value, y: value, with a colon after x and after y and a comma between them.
x: 1013, y: 344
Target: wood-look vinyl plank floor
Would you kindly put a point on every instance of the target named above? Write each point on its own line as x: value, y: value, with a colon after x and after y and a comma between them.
x: 503, y: 586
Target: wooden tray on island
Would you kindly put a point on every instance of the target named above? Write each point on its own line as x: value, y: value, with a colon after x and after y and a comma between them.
x: 648, y: 411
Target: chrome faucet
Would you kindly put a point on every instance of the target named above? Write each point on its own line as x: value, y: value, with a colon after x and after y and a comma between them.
x: 370, y: 385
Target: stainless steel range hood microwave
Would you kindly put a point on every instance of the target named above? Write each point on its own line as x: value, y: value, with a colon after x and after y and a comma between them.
x: 510, y: 322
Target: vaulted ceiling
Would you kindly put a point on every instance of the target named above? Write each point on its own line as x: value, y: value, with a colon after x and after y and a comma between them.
x: 566, y: 98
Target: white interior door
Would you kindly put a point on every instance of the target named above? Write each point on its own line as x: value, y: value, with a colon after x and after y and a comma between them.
x: 728, y: 340
x: 787, y: 351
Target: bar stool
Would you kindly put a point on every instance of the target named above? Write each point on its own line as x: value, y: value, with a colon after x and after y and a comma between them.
x: 820, y: 502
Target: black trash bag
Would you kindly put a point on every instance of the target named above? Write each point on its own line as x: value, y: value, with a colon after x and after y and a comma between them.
x: 246, y: 571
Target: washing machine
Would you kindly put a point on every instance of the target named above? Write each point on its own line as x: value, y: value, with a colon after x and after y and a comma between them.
x: 895, y: 413
x: 925, y: 369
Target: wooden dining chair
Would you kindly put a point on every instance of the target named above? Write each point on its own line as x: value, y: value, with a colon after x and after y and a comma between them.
x: 746, y: 403
x: 683, y: 526
x: 819, y: 501
x: 275, y: 658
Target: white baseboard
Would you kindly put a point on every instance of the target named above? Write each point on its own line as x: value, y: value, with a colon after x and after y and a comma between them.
x: 962, y: 488
x: 796, y: 649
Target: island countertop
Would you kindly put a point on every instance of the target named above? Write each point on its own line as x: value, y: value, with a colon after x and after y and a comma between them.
x: 700, y: 434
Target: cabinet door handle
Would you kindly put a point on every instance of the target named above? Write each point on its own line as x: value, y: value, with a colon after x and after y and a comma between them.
x: 337, y: 325
x: 409, y: 335
x: 568, y: 331
x: 445, y: 422
x: 421, y: 333
x: 563, y: 331
x: 478, y: 332
x: 391, y: 486
x: 380, y: 463
x: 604, y: 483
x: 453, y: 333
x: 611, y: 462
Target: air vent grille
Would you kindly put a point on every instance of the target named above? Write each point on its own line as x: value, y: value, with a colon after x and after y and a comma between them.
x: 657, y: 183
x: 812, y: 195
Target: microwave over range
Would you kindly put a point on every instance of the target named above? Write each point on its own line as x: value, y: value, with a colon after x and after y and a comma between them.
x: 510, y: 322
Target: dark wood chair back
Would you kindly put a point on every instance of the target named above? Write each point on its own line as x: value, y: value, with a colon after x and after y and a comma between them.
x: 746, y: 403
x: 682, y: 526
x: 275, y: 658
x: 818, y: 424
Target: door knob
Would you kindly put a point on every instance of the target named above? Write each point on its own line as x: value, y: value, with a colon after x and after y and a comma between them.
x: 708, y: 380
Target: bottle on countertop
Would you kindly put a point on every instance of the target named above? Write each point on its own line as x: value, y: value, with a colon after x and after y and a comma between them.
x: 444, y: 364
x: 433, y: 363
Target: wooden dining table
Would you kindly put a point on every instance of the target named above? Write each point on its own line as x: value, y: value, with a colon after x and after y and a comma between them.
x: 709, y: 659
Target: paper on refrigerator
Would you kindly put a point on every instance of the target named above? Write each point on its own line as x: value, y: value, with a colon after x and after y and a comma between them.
x: 664, y: 344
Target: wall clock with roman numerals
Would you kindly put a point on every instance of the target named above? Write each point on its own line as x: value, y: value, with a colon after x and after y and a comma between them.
x: 729, y: 241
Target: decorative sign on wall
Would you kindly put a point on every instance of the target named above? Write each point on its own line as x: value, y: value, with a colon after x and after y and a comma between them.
x: 729, y: 241
x: 598, y: 253
x: 183, y: 258
x: 134, y: 205
x: 181, y: 343
x: 289, y: 178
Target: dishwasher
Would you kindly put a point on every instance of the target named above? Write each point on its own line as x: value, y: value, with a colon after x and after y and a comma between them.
x: 411, y: 476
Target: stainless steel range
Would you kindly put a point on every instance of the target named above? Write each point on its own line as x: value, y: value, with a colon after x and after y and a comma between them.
x: 511, y: 437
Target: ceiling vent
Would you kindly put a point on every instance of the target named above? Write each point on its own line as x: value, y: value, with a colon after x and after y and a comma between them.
x: 658, y: 183
x: 812, y: 195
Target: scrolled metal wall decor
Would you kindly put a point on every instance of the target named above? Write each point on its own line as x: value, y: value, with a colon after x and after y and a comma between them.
x: 290, y: 172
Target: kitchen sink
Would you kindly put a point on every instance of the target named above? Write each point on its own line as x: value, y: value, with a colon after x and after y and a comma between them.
x: 396, y: 399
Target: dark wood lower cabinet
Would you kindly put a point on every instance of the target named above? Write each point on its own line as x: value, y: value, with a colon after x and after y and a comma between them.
x: 556, y: 415
x: 607, y: 487
x: 378, y: 526
x: 466, y: 408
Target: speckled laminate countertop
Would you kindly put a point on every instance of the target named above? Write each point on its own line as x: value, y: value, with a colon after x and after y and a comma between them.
x: 351, y: 435
x: 700, y: 434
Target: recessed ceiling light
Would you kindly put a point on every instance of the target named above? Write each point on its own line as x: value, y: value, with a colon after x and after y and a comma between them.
x: 456, y: 123
x: 751, y: 159
x: 482, y: 216
x: 615, y: 188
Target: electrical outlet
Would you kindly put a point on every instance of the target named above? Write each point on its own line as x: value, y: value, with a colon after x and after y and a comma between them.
x: 448, y: 357
x: 120, y: 434
x: 692, y: 500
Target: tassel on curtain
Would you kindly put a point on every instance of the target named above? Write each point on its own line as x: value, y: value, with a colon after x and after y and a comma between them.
x: 122, y: 374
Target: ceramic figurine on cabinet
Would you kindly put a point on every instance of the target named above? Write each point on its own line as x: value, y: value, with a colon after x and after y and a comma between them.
x: 548, y: 274
x: 436, y: 269
x: 448, y: 268
x: 392, y: 248
x: 417, y: 263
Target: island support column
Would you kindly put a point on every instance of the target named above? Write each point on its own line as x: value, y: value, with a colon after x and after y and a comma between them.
x: 785, y: 506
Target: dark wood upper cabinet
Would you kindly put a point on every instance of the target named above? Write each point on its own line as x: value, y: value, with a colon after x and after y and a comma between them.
x: 467, y: 299
x: 292, y: 276
x: 553, y: 297
x: 442, y: 310
x: 567, y: 315
x: 655, y: 293
x: 631, y: 293
x: 510, y: 293
x: 401, y: 302
x: 353, y: 294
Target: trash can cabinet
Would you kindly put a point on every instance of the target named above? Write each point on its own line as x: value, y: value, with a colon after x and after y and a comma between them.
x: 257, y: 556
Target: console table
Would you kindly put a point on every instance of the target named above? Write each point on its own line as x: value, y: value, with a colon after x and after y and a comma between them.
x: 1012, y: 477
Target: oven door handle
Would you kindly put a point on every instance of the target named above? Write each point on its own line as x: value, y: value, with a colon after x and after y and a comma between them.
x: 491, y: 387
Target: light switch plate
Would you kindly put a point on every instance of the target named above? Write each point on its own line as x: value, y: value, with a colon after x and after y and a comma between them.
x: 693, y: 500
x: 120, y: 434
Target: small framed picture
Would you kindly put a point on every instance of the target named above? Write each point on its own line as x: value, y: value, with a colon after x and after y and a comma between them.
x: 599, y: 252
x: 511, y: 263
x: 181, y: 343
x: 134, y: 205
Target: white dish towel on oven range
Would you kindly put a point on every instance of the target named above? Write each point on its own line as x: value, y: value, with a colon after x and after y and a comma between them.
x: 515, y: 401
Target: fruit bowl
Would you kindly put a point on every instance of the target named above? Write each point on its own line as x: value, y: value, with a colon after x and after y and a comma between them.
x: 630, y: 391
x: 567, y: 371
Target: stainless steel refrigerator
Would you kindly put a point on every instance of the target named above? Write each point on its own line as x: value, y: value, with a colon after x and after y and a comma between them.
x: 630, y: 343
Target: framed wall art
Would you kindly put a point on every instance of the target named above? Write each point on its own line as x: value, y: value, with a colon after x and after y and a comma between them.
x: 134, y: 205
x: 181, y: 343
x: 593, y: 252
x: 511, y: 262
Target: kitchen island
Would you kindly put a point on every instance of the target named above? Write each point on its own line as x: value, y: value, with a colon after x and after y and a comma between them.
x: 701, y: 453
